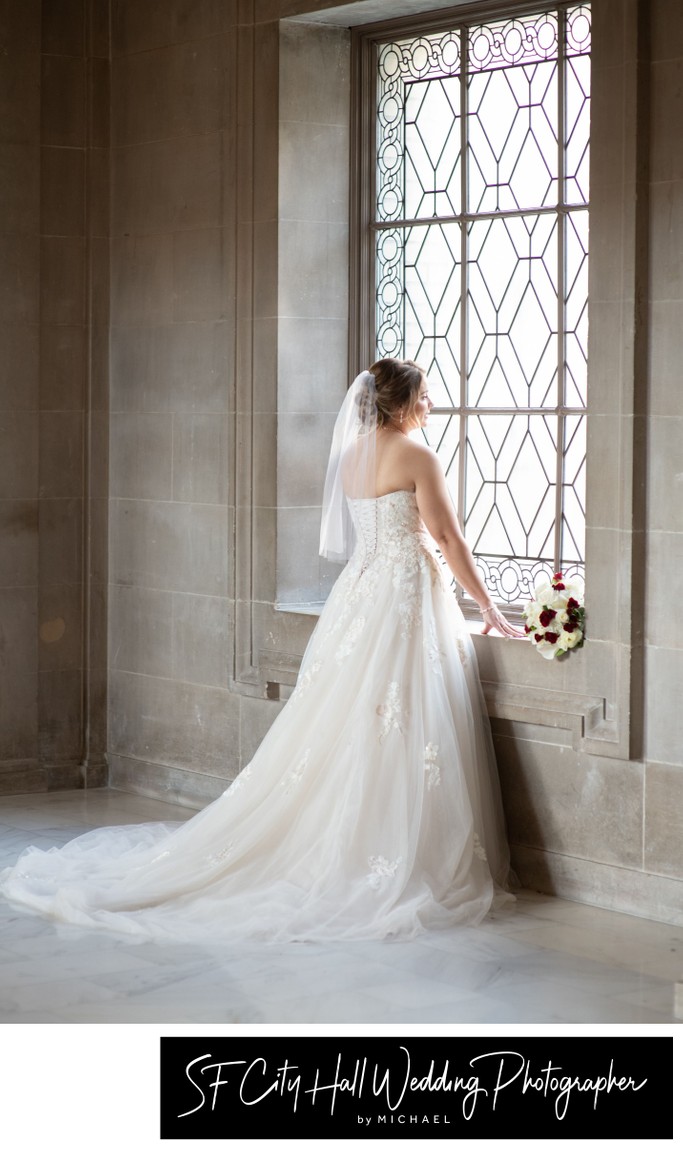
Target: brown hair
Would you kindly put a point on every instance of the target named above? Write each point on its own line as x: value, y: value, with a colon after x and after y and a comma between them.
x: 398, y: 387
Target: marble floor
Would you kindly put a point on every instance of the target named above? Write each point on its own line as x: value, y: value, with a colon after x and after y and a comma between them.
x: 548, y: 961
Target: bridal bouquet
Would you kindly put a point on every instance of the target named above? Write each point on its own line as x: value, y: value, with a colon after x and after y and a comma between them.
x: 555, y: 617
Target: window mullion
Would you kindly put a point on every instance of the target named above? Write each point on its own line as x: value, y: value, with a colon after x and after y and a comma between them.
x: 561, y: 279
x: 462, y: 418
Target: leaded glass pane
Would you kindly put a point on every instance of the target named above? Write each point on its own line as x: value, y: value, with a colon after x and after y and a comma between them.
x: 512, y: 148
x: 512, y: 312
x: 510, y: 484
x: 574, y: 489
x: 500, y: 43
x: 432, y: 148
x: 578, y: 38
x: 390, y: 291
x: 577, y: 97
x: 576, y: 309
x: 432, y: 292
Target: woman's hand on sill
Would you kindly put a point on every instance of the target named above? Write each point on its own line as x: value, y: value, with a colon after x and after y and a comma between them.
x: 494, y: 620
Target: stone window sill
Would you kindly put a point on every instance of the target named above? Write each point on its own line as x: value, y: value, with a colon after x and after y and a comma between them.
x: 313, y: 610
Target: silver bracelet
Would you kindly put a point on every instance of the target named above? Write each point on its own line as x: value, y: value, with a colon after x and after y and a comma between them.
x: 485, y: 610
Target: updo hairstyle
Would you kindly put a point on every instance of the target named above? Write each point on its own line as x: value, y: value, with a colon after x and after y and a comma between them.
x: 398, y: 387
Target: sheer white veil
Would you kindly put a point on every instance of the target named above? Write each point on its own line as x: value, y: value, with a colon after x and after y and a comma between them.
x: 351, y: 467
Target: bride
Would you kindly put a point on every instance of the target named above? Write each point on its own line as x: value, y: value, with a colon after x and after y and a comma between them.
x: 371, y: 809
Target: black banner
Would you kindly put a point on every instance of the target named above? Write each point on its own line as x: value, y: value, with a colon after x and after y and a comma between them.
x: 424, y: 1087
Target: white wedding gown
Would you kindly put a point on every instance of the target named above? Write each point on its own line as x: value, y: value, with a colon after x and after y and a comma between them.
x: 371, y: 808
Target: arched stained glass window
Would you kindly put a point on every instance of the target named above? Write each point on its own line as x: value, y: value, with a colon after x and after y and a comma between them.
x: 478, y: 225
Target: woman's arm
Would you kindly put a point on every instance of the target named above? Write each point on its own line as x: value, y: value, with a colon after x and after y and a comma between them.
x: 438, y: 514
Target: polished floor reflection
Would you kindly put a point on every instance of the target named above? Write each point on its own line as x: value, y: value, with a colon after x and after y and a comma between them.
x: 547, y: 961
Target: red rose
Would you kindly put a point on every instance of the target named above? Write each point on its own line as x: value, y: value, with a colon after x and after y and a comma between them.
x: 572, y: 604
x: 570, y: 627
x: 538, y: 637
x: 546, y: 616
x: 527, y: 629
x: 550, y: 636
x: 558, y: 575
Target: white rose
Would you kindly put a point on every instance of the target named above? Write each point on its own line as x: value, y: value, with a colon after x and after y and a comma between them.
x: 532, y: 613
x: 573, y: 637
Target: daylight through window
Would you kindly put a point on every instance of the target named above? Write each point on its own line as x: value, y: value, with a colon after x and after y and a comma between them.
x: 480, y: 234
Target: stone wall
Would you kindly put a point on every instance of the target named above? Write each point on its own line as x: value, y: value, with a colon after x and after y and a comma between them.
x: 175, y: 725
x: 53, y: 405
x: 661, y: 440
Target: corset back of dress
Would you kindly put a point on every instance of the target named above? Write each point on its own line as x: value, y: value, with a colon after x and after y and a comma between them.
x: 388, y: 524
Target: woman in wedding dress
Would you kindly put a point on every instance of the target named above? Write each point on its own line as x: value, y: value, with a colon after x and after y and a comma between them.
x: 371, y: 808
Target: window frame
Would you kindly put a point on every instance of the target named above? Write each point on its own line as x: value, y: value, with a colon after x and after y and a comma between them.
x: 365, y: 41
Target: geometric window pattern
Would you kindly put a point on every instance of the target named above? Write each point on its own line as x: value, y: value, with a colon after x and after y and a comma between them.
x: 480, y: 229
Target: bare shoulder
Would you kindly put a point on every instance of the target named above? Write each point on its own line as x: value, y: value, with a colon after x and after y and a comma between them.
x: 428, y: 473
x: 419, y: 459
x: 424, y: 458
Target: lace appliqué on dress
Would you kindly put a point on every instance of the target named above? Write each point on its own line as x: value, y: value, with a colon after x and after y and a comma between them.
x: 434, y: 652
x: 349, y: 642
x: 366, y: 583
x: 410, y: 613
x: 432, y: 768
x: 390, y: 712
x: 381, y: 869
x: 237, y: 783
x: 435, y: 570
x: 222, y: 855
x: 478, y: 849
x: 293, y: 777
x: 461, y: 647
x: 304, y: 681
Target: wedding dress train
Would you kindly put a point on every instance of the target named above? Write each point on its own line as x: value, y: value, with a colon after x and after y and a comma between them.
x: 371, y: 809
